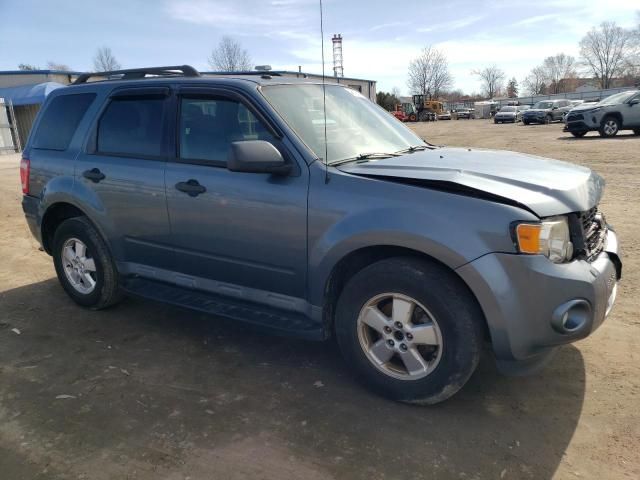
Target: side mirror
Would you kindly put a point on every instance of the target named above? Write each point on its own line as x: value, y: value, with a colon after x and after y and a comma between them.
x: 555, y: 107
x: 256, y: 156
x: 635, y: 101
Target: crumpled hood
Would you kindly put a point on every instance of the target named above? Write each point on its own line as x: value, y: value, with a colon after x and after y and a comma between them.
x: 544, y: 186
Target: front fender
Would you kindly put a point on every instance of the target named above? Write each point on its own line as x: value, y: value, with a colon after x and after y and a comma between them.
x: 366, y: 230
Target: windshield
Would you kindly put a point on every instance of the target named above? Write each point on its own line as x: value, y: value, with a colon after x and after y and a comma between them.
x: 507, y: 109
x: 355, y: 125
x: 617, y: 98
x: 543, y: 105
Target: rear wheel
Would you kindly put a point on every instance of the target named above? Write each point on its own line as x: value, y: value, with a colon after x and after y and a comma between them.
x: 84, y: 265
x: 409, y: 329
x: 578, y: 134
x: 610, y: 127
x: 525, y: 122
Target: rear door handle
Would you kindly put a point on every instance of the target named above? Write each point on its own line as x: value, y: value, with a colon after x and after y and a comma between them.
x: 95, y: 175
x: 191, y: 187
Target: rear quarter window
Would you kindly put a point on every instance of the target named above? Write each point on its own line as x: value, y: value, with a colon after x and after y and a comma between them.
x: 60, y: 121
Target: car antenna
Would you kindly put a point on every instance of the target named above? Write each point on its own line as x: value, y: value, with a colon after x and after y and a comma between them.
x: 324, y: 102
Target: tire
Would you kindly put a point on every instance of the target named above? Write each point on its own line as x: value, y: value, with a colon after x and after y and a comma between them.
x: 548, y: 119
x: 441, y: 302
x: 636, y: 131
x: 97, y: 266
x: 495, y: 121
x: 579, y: 134
x: 610, y: 127
x: 413, y: 118
x: 525, y: 122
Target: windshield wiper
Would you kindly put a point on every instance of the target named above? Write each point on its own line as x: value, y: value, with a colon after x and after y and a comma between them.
x: 413, y: 148
x: 365, y: 156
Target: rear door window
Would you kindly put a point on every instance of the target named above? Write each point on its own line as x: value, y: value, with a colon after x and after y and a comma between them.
x: 208, y: 126
x: 60, y: 120
x: 133, y: 127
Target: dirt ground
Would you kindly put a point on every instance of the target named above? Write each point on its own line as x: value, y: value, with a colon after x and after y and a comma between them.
x: 148, y: 391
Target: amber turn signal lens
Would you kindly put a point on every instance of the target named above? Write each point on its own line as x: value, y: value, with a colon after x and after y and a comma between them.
x: 529, y: 237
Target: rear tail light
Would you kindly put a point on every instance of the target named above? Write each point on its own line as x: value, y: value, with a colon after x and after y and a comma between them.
x: 25, y: 170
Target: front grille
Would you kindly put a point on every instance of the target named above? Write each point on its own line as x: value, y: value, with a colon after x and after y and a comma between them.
x: 574, y: 116
x: 594, y: 233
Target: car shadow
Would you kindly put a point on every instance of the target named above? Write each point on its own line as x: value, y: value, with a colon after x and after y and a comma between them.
x: 596, y: 136
x: 149, y: 384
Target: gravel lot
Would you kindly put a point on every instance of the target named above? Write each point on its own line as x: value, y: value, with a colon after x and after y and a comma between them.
x: 147, y: 391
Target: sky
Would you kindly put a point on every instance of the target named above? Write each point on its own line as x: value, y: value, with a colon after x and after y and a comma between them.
x: 379, y: 37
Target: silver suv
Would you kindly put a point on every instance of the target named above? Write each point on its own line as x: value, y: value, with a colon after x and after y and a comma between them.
x: 236, y: 196
x: 617, y: 112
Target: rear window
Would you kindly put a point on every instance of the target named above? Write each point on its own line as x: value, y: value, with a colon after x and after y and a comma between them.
x: 60, y: 121
x: 133, y: 127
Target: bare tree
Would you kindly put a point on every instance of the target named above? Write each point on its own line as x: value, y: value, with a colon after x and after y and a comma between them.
x: 534, y: 83
x: 605, y: 51
x: 27, y: 66
x: 491, y: 78
x: 58, y: 66
x: 559, y: 69
x: 104, y: 61
x: 429, y: 73
x: 395, y: 91
x: 229, y: 56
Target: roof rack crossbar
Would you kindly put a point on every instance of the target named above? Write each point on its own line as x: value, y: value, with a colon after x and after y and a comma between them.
x: 137, y: 73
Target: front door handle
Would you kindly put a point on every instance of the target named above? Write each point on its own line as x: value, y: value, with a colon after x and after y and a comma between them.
x: 191, y: 187
x: 95, y: 175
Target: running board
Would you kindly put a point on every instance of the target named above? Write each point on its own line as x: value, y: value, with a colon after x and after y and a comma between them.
x: 278, y: 321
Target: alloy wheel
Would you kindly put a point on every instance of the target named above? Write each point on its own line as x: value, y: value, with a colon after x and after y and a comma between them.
x: 610, y: 127
x: 78, y: 265
x: 399, y: 336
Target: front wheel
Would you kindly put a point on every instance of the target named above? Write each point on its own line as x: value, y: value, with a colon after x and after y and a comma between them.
x: 84, y: 265
x: 578, y: 134
x: 636, y: 131
x: 409, y: 329
x: 548, y: 119
x: 610, y: 127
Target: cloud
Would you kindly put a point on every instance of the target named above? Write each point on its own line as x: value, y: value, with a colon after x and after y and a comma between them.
x: 535, y: 19
x: 453, y: 24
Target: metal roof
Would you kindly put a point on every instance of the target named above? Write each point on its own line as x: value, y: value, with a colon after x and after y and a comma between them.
x: 39, y: 72
x: 289, y: 72
x: 29, y: 94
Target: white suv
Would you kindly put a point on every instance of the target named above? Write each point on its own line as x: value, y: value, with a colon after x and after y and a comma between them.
x: 617, y: 112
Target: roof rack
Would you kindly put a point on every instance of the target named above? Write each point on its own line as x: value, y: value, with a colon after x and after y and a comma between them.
x: 137, y: 73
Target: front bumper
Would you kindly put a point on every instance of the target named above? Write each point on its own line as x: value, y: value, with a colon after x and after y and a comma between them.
x: 524, y: 297
x: 538, y: 118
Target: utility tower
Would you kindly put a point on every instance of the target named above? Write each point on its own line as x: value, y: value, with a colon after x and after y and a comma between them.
x: 338, y: 70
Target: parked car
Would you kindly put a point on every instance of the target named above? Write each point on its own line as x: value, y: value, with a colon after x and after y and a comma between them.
x: 617, y: 112
x: 509, y: 113
x: 236, y: 196
x: 446, y: 115
x: 546, y: 111
x: 467, y: 113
